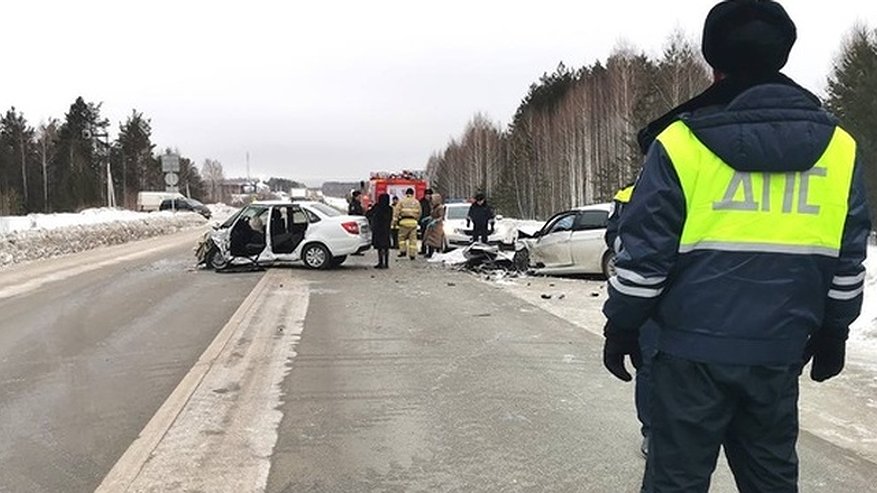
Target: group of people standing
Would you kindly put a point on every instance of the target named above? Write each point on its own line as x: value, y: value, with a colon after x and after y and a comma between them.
x: 396, y: 224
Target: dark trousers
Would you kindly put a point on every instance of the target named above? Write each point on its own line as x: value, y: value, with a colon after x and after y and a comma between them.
x: 424, y: 221
x: 752, y: 411
x: 648, y: 343
x: 480, y: 233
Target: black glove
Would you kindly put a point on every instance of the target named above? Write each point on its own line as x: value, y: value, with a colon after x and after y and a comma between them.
x: 620, y: 343
x: 828, y: 351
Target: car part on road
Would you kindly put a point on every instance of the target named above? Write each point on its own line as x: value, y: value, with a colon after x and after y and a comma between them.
x: 316, y: 256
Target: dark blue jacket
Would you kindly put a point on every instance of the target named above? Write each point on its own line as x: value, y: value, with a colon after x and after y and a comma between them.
x: 480, y: 216
x: 733, y: 307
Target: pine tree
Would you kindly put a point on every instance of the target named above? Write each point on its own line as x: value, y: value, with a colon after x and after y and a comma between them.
x: 77, y: 179
x: 852, y: 96
x: 133, y: 158
x: 16, y: 137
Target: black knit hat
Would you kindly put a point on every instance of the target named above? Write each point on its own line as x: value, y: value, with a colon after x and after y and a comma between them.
x: 748, y: 37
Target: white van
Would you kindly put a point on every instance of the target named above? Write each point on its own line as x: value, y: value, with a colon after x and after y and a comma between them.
x: 150, y: 201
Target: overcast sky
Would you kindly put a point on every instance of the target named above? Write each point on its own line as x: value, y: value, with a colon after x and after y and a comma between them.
x: 333, y: 89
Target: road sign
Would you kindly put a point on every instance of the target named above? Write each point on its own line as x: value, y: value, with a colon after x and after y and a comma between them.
x: 171, y: 179
x: 170, y: 163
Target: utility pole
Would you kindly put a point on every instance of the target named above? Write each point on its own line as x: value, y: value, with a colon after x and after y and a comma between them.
x: 94, y: 136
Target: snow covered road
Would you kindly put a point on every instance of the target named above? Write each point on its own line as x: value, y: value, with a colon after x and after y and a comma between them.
x: 413, y: 379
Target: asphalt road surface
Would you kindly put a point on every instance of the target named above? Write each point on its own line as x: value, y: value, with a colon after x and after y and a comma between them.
x: 128, y: 371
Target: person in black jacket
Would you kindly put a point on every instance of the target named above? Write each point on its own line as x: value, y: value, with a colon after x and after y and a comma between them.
x: 355, y: 206
x: 480, y: 217
x: 744, y: 243
x: 425, y: 216
x: 381, y: 217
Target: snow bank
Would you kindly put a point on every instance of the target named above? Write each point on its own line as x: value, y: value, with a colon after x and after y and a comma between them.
x: 337, y: 202
x: 13, y: 224
x: 40, y: 236
x: 220, y: 212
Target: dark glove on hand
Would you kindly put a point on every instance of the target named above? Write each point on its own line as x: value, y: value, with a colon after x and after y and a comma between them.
x: 620, y: 343
x: 829, y: 353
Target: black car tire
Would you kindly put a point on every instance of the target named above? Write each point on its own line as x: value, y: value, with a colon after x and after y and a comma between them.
x: 215, y: 260
x: 316, y: 256
x: 522, y: 260
x: 337, y: 261
x: 608, y: 264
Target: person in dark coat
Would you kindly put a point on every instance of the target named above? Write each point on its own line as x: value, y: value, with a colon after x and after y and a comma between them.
x: 381, y: 217
x: 425, y: 216
x: 394, y: 226
x: 355, y: 207
x: 481, y: 218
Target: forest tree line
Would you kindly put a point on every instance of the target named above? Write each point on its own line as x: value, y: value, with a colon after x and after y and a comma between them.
x: 572, y: 140
x: 60, y: 165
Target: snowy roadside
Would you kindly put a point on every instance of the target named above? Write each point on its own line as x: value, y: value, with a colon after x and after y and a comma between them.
x: 842, y: 411
x: 39, y: 236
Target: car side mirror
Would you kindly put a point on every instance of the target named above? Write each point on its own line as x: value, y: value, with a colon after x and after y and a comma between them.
x: 499, y: 217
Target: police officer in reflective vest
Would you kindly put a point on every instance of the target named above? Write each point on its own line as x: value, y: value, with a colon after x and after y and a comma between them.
x: 744, y: 242
x: 621, y: 199
x: 647, y: 333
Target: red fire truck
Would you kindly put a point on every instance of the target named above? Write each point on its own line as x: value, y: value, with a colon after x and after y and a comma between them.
x: 394, y: 184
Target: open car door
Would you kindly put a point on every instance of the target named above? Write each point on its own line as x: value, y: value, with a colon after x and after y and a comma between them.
x: 289, y: 225
x: 244, y: 241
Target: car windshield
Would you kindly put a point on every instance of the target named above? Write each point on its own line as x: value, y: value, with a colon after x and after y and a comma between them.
x: 458, y: 212
x: 325, y: 210
x: 195, y: 203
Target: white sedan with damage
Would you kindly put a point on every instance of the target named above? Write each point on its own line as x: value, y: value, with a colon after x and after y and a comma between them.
x: 570, y: 242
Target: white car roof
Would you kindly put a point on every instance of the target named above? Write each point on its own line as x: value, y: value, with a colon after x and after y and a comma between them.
x: 607, y: 206
x: 284, y: 202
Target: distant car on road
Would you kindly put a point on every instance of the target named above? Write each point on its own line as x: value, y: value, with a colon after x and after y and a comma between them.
x: 151, y: 201
x: 184, y: 204
x: 571, y: 242
x: 309, y: 232
x: 458, y: 233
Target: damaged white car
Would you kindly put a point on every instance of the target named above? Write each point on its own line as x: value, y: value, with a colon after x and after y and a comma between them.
x: 265, y: 233
x: 571, y: 242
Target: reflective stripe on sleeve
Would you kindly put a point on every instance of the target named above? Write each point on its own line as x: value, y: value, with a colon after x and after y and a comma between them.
x: 634, y: 291
x: 848, y: 280
x: 845, y: 295
x: 631, y: 276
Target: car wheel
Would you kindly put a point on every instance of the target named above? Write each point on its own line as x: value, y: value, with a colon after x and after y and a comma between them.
x: 337, y: 261
x: 608, y: 264
x: 522, y: 260
x: 316, y: 256
x: 216, y: 260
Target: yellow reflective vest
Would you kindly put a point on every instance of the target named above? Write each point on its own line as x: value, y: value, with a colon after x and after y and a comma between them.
x: 731, y: 210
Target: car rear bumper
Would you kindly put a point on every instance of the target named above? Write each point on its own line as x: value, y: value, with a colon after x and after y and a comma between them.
x: 349, y: 245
